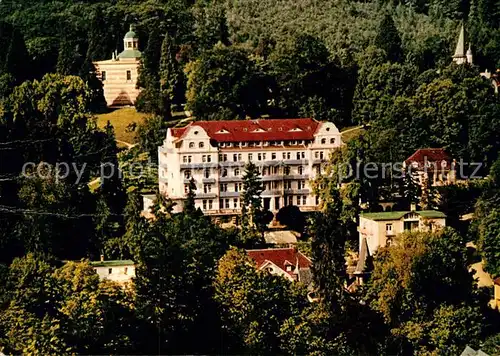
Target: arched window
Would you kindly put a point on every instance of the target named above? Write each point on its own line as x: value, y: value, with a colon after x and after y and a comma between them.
x: 323, y: 141
x: 191, y: 144
x: 201, y: 145
x: 236, y: 172
x: 332, y: 141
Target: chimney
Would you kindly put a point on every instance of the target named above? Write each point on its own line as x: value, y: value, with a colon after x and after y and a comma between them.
x: 102, y: 258
x: 413, y: 207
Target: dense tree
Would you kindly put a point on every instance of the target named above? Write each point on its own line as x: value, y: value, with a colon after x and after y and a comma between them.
x: 223, y: 83
x: 251, y: 212
x: 389, y: 40
x: 423, y: 283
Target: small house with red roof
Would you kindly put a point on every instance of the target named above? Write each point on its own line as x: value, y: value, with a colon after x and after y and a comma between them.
x: 289, y: 153
x: 432, y: 165
x: 287, y: 262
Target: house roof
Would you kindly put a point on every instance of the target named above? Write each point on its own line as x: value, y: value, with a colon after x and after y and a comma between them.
x: 429, y: 155
x: 130, y: 53
x: 255, y: 130
x: 396, y: 215
x: 111, y: 263
x: 281, y: 257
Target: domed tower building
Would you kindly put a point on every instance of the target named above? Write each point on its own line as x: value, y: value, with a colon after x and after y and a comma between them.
x: 119, y: 74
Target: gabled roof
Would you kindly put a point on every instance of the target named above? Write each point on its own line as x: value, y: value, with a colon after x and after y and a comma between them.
x: 255, y: 130
x: 429, y: 155
x: 281, y: 257
x: 396, y: 215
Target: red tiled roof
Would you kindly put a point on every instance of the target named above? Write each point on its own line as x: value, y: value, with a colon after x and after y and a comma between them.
x: 430, y: 155
x: 255, y: 130
x: 280, y: 256
x: 497, y: 281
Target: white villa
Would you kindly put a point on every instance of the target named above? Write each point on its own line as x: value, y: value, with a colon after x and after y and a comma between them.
x: 288, y: 153
x: 119, y: 74
x: 120, y: 271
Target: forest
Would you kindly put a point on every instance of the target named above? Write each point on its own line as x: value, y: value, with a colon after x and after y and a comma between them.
x: 383, y: 66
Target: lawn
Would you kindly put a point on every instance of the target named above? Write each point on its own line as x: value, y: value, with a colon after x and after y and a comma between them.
x: 352, y: 132
x: 121, y: 119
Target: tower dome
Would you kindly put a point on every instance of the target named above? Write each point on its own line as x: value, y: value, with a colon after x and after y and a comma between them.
x: 130, y: 45
x: 130, y: 34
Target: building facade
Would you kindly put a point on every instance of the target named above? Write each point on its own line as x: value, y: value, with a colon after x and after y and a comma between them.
x: 432, y: 167
x: 379, y: 229
x: 119, y: 74
x: 120, y: 271
x: 288, y: 153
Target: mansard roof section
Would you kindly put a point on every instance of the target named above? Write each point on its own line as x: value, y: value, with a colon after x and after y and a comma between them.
x: 256, y: 130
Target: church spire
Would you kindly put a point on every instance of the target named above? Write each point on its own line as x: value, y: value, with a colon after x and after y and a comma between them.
x: 461, y: 56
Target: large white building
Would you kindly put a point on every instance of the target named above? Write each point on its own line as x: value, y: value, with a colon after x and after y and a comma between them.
x: 288, y: 152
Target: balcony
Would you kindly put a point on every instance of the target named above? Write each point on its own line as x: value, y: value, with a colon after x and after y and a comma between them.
x: 206, y: 195
x: 230, y: 179
x: 229, y: 194
x: 232, y: 164
x: 198, y: 165
x: 208, y: 180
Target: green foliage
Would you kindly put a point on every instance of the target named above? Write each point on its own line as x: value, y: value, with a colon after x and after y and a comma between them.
x: 424, y: 290
x: 223, y: 83
x: 253, y: 304
x: 489, y: 237
x: 389, y: 40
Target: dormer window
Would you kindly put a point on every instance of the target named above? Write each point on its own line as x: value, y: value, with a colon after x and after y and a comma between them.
x: 295, y: 129
x: 323, y: 141
x: 289, y: 268
x: 201, y: 145
x: 191, y: 144
x: 222, y: 131
x: 259, y: 130
x: 332, y: 141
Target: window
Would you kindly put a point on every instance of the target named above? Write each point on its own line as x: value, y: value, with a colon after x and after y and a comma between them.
x: 316, y: 155
x: 129, y: 75
x: 223, y: 187
x: 129, y: 44
x: 238, y: 187
x: 264, y: 156
x: 273, y: 156
x: 318, y: 169
x: 288, y: 155
x: 289, y: 268
x: 236, y: 172
x: 286, y: 170
x: 227, y: 203
x: 388, y: 229
x: 290, y: 200
x: 184, y: 159
x: 191, y: 144
x: 264, y: 171
x: 332, y: 141
x: 210, y: 204
x: 259, y: 156
x: 298, y: 200
x: 103, y: 75
x: 224, y: 157
x: 237, y: 157
x: 209, y: 158
x: 300, y: 169
x: 250, y: 156
x: 204, y: 205
x: 235, y: 203
x: 288, y: 184
x: 323, y: 141
x: 298, y: 155
x: 204, y: 158
x: 224, y: 172
x: 320, y: 154
x: 301, y: 184
x: 317, y: 199
x: 276, y: 170
x: 206, y: 173
x: 201, y: 144
x: 189, y: 159
x: 304, y: 200
x: 125, y: 270
x: 207, y: 188
x: 187, y: 174
x: 186, y: 188
x: 110, y: 270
